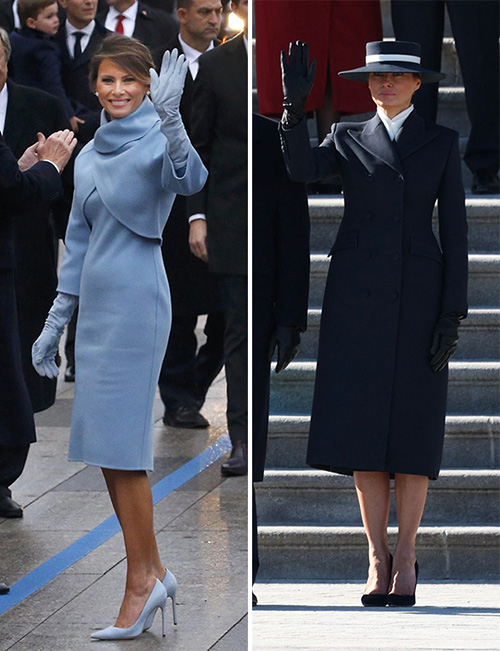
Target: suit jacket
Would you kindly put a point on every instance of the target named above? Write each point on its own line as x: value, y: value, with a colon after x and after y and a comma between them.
x: 6, y: 16
x: 41, y: 182
x: 152, y: 26
x: 29, y: 111
x: 280, y: 251
x: 219, y: 134
x: 36, y: 62
x: 377, y: 403
x: 192, y: 288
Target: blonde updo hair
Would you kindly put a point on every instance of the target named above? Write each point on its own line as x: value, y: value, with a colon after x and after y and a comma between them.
x: 127, y: 53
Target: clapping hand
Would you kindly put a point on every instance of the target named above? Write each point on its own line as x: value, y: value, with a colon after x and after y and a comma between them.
x: 166, y: 89
x: 297, y: 78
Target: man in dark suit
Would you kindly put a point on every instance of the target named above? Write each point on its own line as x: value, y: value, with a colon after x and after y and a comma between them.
x: 280, y: 249
x: 218, y: 214
x: 79, y: 36
x: 134, y: 18
x: 28, y: 112
x: 186, y: 374
x: 40, y: 183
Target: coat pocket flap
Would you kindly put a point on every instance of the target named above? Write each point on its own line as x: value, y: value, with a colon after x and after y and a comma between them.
x: 346, y: 240
x: 426, y: 249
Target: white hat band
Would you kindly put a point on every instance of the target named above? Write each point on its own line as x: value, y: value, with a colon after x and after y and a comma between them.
x: 395, y: 58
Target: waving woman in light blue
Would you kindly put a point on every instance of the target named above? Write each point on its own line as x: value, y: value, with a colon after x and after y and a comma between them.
x: 126, y: 180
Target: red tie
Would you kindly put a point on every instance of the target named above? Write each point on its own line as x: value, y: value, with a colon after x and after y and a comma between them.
x: 119, y: 24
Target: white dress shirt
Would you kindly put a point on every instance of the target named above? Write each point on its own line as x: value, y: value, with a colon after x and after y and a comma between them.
x: 4, y: 98
x: 193, y: 55
x: 70, y: 36
x: 129, y: 22
x: 394, y: 125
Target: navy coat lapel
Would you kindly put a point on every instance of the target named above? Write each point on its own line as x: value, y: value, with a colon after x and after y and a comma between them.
x: 414, y: 134
x: 375, y: 140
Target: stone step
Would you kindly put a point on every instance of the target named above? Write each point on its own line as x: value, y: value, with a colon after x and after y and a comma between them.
x: 470, y: 441
x: 340, y: 553
x: 483, y: 216
x: 484, y: 280
x: 314, y: 497
x: 473, y: 388
x: 479, y: 336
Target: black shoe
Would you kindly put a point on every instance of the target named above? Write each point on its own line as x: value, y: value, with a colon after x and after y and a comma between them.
x: 377, y: 599
x: 69, y: 375
x: 9, y: 508
x: 185, y: 417
x: 4, y: 589
x: 403, y: 599
x: 485, y: 182
x: 255, y: 601
x: 237, y: 462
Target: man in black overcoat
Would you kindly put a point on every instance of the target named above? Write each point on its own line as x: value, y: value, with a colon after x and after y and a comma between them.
x: 150, y: 26
x: 40, y: 183
x: 219, y: 234
x: 79, y: 36
x: 186, y: 374
x: 280, y: 249
x: 28, y: 112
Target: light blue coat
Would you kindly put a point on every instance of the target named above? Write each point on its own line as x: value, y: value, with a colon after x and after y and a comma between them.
x: 125, y: 185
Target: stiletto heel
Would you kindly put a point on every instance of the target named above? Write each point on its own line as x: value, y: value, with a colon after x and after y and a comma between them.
x: 163, y: 622
x: 394, y: 599
x: 377, y: 599
x: 157, y: 599
x: 170, y: 584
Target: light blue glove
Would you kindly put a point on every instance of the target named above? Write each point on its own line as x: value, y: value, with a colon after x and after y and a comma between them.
x: 166, y: 92
x: 46, y: 347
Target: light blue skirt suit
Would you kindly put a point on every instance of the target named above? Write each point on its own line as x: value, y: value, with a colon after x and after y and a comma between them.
x: 125, y: 185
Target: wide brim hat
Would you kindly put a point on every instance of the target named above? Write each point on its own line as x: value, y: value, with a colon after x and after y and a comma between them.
x: 392, y: 56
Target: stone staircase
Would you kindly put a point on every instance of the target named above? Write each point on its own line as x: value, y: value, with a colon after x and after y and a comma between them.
x: 310, y: 527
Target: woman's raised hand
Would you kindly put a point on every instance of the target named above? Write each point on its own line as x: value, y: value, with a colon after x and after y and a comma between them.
x: 166, y: 89
x: 297, y: 78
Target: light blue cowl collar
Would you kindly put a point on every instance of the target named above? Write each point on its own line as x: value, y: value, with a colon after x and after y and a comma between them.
x: 115, y: 134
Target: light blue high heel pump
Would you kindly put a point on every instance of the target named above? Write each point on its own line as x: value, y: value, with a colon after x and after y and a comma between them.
x: 170, y: 584
x: 157, y: 599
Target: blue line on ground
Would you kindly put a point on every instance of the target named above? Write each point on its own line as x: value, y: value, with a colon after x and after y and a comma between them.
x: 108, y: 528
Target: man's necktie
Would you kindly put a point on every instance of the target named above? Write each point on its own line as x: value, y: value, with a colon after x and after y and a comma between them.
x: 119, y: 24
x: 77, y: 50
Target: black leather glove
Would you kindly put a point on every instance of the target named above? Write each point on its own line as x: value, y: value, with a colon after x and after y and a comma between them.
x: 297, y: 80
x: 287, y: 338
x: 444, y: 340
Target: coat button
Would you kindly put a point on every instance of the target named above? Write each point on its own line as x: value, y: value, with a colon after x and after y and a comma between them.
x: 399, y: 179
x: 396, y: 256
x: 364, y: 293
x: 394, y: 295
x: 369, y: 178
x: 396, y: 218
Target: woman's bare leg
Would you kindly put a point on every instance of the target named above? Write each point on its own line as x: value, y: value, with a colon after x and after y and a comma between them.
x: 411, y: 493
x: 130, y: 494
x: 374, y: 496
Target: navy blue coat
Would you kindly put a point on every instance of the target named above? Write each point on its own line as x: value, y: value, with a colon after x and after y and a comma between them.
x: 377, y: 404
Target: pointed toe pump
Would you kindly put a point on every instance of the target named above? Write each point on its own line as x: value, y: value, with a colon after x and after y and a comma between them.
x: 404, y: 600
x: 157, y: 599
x: 377, y: 599
x: 170, y: 585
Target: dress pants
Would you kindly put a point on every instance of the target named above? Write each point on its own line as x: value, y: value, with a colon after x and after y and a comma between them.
x: 186, y: 375
x: 233, y: 291
x: 475, y: 26
x: 12, y: 462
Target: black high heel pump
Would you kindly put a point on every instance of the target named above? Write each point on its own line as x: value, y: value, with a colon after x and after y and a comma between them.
x: 377, y: 599
x: 404, y: 599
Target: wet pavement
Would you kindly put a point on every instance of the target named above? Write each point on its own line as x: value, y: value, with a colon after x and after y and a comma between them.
x: 75, y: 566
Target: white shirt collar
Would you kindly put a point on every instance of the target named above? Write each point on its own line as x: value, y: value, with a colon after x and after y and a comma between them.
x: 193, y: 55
x: 394, y: 125
x: 129, y: 22
x: 71, y: 29
x: 4, y: 98
x: 17, y: 20
x: 71, y: 38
